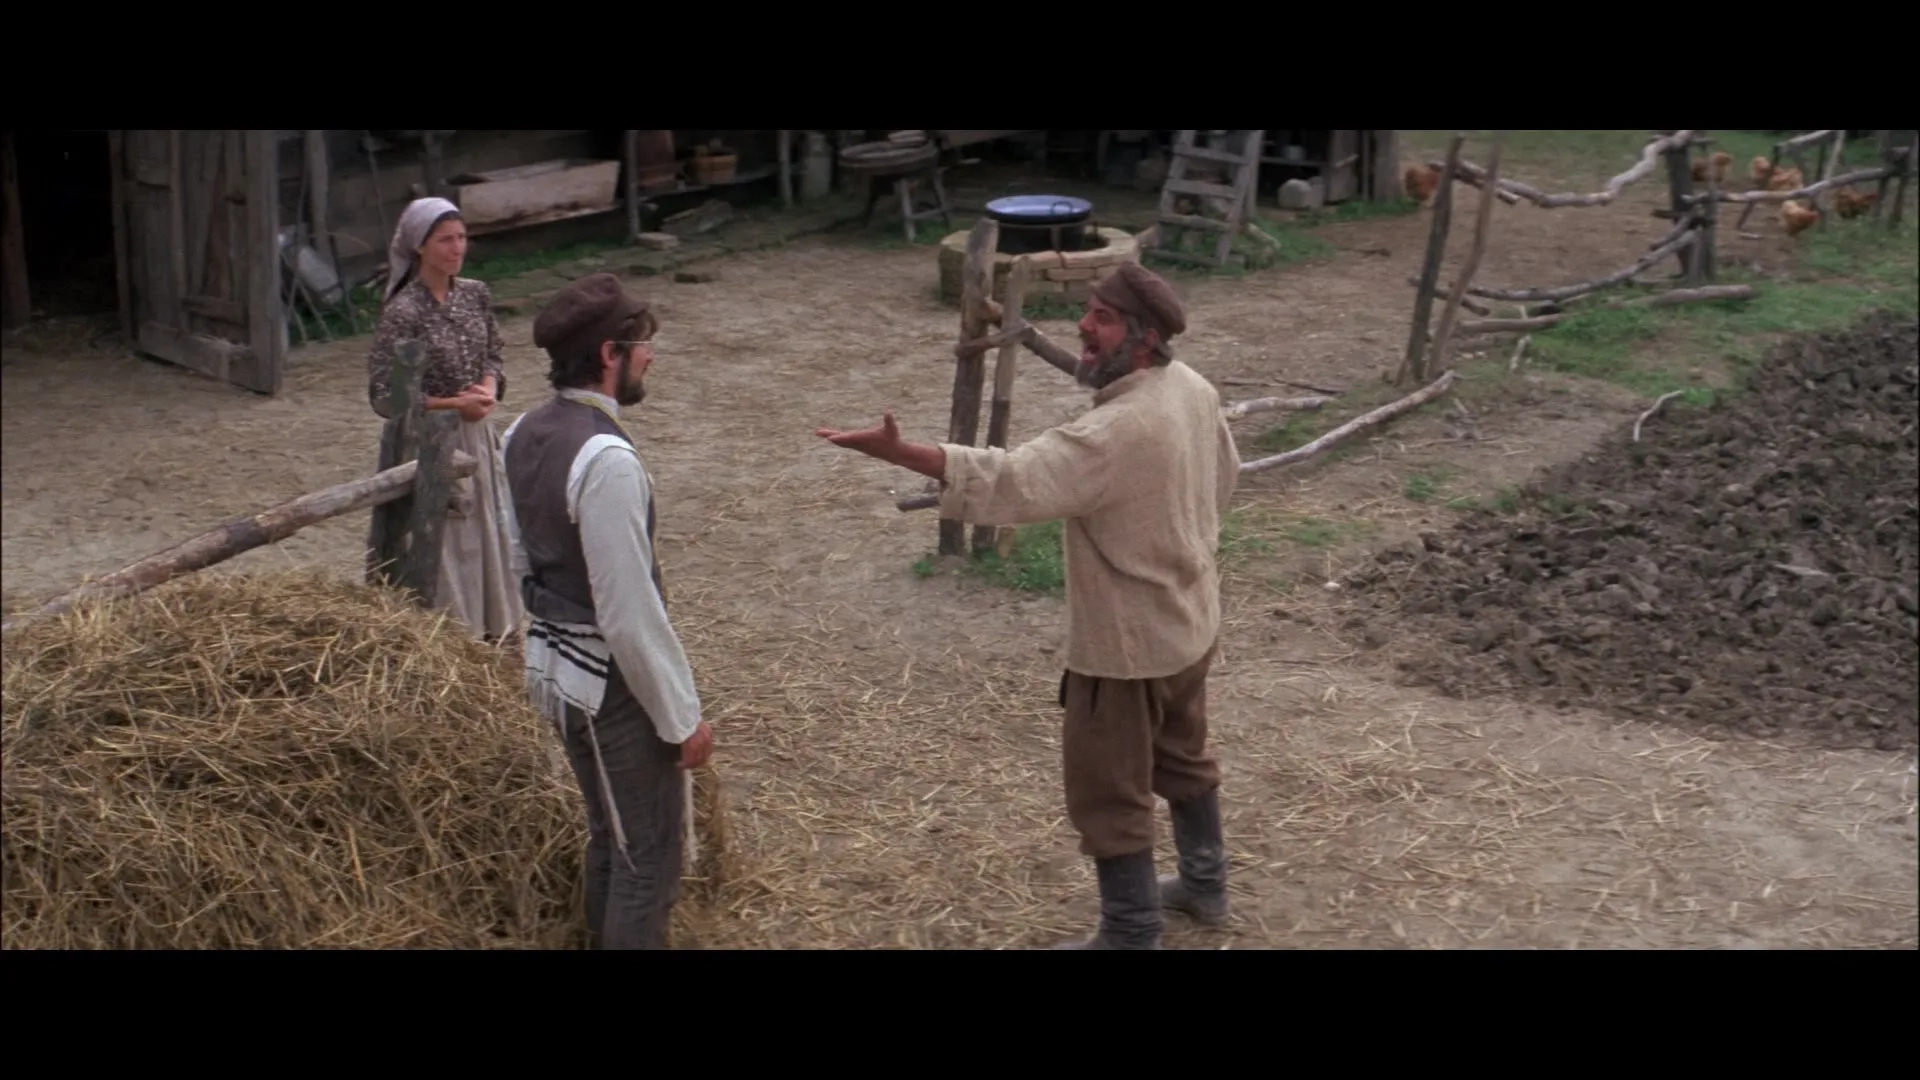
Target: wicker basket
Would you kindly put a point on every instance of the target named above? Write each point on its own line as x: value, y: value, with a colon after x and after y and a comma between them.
x: 714, y: 168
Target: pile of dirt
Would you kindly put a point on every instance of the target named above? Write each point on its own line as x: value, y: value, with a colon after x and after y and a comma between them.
x: 1748, y: 569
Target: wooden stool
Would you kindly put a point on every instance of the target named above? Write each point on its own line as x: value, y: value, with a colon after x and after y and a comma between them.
x: 906, y: 184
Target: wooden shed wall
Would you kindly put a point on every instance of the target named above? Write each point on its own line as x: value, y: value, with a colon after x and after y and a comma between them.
x: 367, y: 214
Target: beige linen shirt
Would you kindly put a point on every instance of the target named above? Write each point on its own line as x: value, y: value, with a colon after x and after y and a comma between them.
x: 1141, y: 480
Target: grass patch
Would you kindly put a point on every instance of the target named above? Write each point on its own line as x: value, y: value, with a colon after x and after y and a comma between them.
x: 1294, y: 243
x: 1297, y: 430
x: 1242, y: 538
x: 1038, y: 562
x: 1321, y: 533
x: 1425, y: 486
x: 1355, y: 209
x: 1847, y: 270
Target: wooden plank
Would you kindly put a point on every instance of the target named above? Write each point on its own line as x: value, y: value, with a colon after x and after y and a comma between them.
x: 630, y: 151
x: 266, y: 322
x: 547, y: 218
x: 1176, y: 170
x: 200, y: 193
x: 148, y: 266
x: 1365, y: 174
x: 153, y: 174
x: 1245, y: 177
x: 1386, y: 164
x: 319, y: 192
x: 558, y: 186
x: 176, y: 212
x: 1201, y: 188
x: 16, y: 305
x: 212, y: 356
x: 234, y: 202
x: 217, y: 308
x: 784, y: 147
x: 214, y: 272
x: 117, y: 170
x: 1342, y: 179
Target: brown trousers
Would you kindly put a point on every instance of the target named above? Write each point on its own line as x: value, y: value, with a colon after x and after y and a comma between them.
x: 1125, y: 741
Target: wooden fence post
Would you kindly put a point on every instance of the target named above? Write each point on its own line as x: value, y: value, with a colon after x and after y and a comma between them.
x: 1906, y: 174
x: 1003, y: 370
x: 1436, y: 360
x: 404, y: 546
x: 1680, y: 198
x: 1415, y: 362
x: 970, y: 373
x: 1706, y: 216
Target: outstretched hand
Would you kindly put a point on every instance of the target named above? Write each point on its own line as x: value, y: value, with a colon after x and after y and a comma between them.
x: 882, y: 442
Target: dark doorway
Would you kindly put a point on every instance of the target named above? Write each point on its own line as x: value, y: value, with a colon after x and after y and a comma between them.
x: 66, y: 199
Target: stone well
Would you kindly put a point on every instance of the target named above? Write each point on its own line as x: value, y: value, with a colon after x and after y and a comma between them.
x: 1066, y: 274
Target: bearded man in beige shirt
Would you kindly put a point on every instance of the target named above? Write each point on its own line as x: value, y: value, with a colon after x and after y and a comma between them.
x: 1141, y: 480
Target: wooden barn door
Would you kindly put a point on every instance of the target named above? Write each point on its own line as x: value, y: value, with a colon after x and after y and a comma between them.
x: 196, y: 216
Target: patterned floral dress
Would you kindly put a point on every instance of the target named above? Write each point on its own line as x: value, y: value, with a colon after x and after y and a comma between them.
x: 462, y: 342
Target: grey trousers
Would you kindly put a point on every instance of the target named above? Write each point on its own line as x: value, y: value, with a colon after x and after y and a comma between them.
x: 636, y: 813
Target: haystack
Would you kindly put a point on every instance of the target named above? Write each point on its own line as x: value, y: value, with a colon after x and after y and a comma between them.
x: 283, y: 762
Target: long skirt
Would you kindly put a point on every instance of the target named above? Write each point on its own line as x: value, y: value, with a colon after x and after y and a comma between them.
x: 476, y: 583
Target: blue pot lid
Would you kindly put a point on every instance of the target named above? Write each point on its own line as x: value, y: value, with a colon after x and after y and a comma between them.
x: 1039, y: 206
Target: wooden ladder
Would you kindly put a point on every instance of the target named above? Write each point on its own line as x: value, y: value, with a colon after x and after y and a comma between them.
x: 1239, y: 195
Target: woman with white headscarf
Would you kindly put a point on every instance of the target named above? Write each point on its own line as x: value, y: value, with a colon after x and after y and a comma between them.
x: 452, y: 318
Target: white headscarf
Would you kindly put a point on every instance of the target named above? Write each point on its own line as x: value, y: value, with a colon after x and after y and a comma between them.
x: 403, y: 255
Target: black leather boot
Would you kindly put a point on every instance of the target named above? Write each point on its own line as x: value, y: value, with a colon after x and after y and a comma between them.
x: 1129, y: 913
x: 1199, y: 890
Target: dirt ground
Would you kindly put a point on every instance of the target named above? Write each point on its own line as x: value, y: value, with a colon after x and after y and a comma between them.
x: 890, y: 743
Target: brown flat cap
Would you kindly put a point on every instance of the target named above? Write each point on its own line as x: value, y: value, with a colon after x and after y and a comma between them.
x: 584, y: 314
x: 1140, y: 292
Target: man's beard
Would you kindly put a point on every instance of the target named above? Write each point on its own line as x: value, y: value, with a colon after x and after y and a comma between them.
x: 1108, y: 367
x: 629, y: 393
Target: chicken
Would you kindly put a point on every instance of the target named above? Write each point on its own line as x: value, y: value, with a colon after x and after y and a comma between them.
x: 1789, y: 179
x: 1796, y: 216
x: 1422, y: 182
x: 1759, y: 171
x: 1721, y: 163
x: 1851, y: 203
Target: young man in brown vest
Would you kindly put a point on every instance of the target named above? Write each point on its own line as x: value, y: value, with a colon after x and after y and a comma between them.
x: 1141, y: 481
x: 603, y: 662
